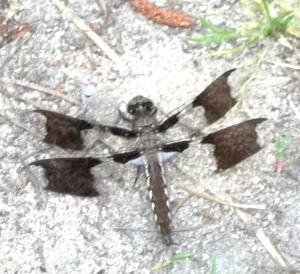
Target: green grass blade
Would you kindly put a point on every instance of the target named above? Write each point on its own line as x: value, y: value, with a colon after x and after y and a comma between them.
x: 232, y: 50
x: 159, y: 266
x: 212, y: 27
x: 264, y: 31
x: 265, y: 9
x: 175, y: 257
x: 213, y: 265
x: 215, y: 38
x: 181, y: 256
x: 281, y: 145
x: 257, y: 32
x: 283, y: 19
x: 261, y: 7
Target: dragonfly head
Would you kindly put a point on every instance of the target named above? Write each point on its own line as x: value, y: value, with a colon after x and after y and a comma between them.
x: 140, y: 105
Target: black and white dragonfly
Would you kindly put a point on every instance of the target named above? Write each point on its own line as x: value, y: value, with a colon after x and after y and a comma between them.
x: 73, y: 176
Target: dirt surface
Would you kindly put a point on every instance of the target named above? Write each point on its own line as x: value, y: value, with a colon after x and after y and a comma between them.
x: 42, y: 231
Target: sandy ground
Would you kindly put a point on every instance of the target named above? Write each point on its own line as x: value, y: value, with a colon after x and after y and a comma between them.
x: 42, y: 231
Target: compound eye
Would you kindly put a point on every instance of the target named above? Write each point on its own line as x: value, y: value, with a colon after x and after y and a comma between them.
x: 148, y: 105
x: 132, y: 109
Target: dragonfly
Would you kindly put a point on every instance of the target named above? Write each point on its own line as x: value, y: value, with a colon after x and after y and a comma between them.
x: 73, y: 175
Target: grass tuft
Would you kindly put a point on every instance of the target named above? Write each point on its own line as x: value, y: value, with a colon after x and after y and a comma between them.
x: 268, y: 18
x: 175, y: 257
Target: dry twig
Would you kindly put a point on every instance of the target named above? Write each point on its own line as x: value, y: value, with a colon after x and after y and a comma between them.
x: 82, y: 25
x: 43, y: 89
x: 285, y: 65
x: 259, y: 233
x: 265, y: 241
x: 201, y: 193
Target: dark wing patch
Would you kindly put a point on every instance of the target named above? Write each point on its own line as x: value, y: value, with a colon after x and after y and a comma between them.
x: 63, y: 130
x: 123, y: 132
x: 216, y: 98
x: 176, y: 147
x: 70, y: 175
x: 234, y: 144
x: 171, y: 121
x: 126, y: 156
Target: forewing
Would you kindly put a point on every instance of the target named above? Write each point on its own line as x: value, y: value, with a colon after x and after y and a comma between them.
x: 70, y: 175
x: 216, y: 98
x: 64, y: 131
x: 235, y: 143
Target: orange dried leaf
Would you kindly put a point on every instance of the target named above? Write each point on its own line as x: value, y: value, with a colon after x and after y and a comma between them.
x: 161, y: 15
